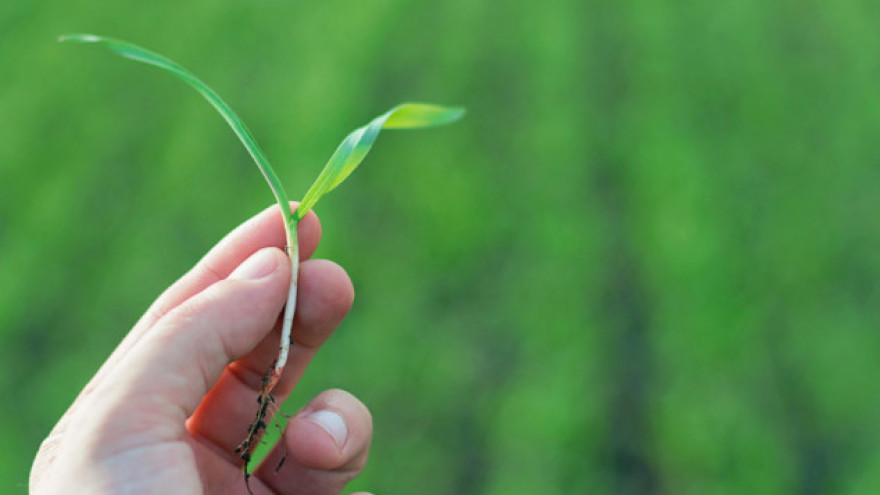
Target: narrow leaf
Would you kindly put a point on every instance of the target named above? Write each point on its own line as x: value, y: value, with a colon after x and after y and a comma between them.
x: 143, y: 55
x: 415, y: 115
x: 354, y: 148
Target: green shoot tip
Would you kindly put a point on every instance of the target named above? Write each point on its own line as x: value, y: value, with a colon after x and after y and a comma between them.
x: 79, y: 38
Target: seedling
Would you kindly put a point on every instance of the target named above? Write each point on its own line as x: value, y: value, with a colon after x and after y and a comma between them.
x: 348, y: 155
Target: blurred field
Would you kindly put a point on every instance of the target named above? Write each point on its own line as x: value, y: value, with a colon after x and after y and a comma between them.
x: 646, y: 261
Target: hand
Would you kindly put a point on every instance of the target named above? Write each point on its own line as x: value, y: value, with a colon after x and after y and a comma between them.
x: 165, y: 412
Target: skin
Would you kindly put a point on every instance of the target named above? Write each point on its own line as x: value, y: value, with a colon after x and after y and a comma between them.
x: 166, y: 410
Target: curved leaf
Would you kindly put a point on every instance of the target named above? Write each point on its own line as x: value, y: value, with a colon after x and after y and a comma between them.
x: 143, y: 55
x: 350, y: 153
x: 354, y: 148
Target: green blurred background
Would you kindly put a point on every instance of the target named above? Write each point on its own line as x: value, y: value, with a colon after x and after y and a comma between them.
x: 646, y: 261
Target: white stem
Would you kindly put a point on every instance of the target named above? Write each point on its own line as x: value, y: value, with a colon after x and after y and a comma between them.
x: 290, y: 308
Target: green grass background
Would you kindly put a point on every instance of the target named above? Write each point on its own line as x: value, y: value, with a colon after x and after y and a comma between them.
x: 646, y: 262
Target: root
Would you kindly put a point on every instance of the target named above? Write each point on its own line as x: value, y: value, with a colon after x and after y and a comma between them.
x: 265, y: 399
x: 283, y: 444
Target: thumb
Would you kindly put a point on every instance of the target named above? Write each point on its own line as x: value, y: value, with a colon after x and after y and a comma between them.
x: 182, y: 356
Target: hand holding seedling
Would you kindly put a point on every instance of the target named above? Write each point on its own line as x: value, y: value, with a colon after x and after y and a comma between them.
x: 163, y: 347
x: 167, y: 409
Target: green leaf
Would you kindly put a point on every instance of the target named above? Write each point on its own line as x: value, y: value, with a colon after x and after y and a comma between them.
x: 354, y: 148
x: 143, y: 55
x: 345, y: 159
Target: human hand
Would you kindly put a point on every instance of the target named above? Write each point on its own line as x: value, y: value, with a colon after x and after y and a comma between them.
x: 165, y: 412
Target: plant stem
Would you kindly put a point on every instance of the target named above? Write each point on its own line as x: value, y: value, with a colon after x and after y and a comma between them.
x: 290, y: 307
x: 277, y: 368
x: 273, y: 374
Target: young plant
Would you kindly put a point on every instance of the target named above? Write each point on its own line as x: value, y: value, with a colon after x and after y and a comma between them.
x: 342, y: 163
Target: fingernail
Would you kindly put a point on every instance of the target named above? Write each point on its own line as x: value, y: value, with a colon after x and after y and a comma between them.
x: 332, y: 423
x: 260, y: 264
